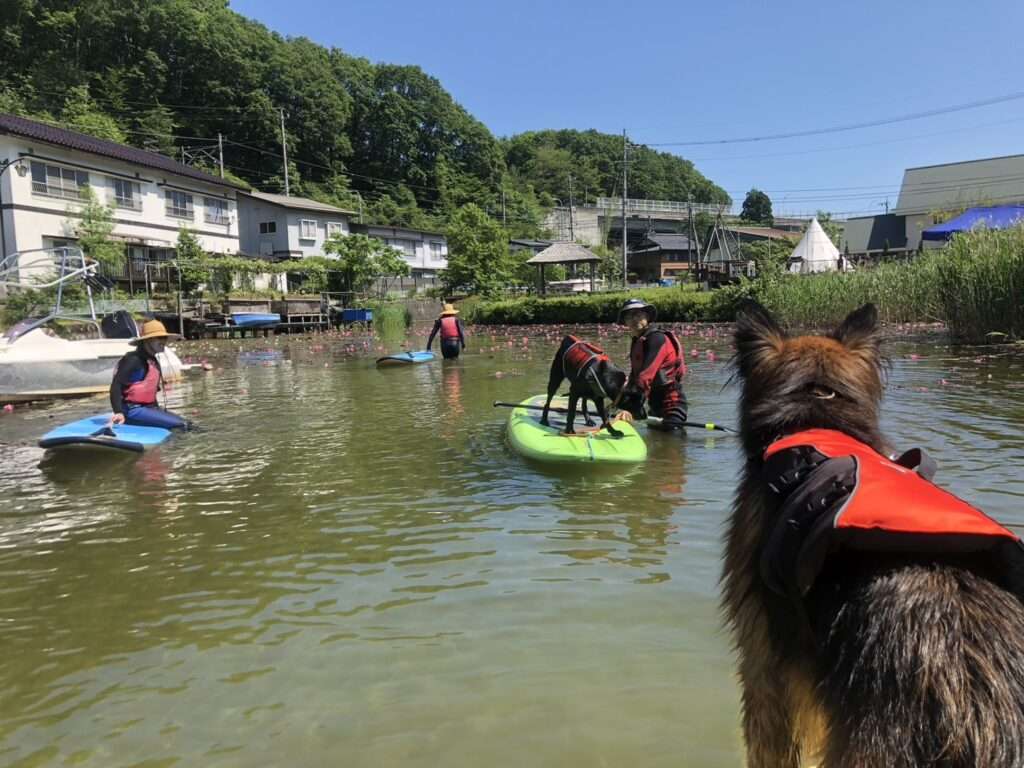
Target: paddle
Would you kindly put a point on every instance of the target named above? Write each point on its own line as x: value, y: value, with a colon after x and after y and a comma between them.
x: 708, y: 425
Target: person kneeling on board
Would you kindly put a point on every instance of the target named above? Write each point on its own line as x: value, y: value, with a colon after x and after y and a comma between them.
x: 657, y: 364
x: 452, y: 333
x: 138, y: 378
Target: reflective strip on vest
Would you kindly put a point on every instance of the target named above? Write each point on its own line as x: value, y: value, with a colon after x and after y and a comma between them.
x: 143, y: 392
x: 449, y: 328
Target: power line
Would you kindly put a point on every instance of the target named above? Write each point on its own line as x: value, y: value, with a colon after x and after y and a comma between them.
x: 848, y: 127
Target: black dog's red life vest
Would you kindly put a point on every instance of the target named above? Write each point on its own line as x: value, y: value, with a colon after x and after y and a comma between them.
x: 667, y: 368
x: 449, y: 327
x: 843, y: 495
x: 578, y: 356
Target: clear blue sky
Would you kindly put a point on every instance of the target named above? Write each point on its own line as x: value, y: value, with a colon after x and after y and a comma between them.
x: 669, y: 71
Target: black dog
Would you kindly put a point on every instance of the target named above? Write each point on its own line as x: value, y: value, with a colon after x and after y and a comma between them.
x: 592, y: 376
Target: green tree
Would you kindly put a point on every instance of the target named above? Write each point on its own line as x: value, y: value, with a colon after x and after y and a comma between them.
x: 362, y: 260
x: 94, y: 224
x: 478, y: 258
x: 192, y: 260
x: 81, y: 113
x: 757, y: 207
x: 770, y: 257
x: 610, y: 268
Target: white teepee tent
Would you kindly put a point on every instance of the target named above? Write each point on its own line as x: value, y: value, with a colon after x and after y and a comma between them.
x: 815, y: 252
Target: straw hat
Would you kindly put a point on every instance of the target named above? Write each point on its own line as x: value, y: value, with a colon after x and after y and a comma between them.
x: 449, y: 309
x: 153, y: 329
x: 632, y: 304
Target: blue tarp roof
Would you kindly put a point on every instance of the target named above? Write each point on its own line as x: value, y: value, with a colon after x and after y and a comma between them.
x: 994, y: 217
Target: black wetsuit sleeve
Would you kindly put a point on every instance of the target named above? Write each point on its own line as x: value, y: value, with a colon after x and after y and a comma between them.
x: 462, y: 335
x: 433, y: 333
x: 126, y: 373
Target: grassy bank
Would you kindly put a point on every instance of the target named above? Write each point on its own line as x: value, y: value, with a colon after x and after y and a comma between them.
x: 975, y: 286
x: 674, y: 305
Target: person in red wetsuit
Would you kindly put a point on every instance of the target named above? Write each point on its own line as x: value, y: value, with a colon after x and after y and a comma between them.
x: 138, y: 378
x: 657, y: 364
x: 453, y: 333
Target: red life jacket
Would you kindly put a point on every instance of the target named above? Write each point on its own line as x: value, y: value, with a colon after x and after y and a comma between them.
x: 671, y: 367
x: 143, y: 392
x: 579, y: 356
x: 449, y: 328
x: 843, y: 495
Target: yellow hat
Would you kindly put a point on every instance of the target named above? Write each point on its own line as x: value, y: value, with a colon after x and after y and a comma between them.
x: 153, y: 329
x: 449, y: 309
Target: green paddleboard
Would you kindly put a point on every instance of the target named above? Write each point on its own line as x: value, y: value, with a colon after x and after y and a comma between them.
x: 589, y: 445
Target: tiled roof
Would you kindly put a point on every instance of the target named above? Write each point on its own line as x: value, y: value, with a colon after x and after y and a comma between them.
x: 301, y: 203
x: 62, y: 137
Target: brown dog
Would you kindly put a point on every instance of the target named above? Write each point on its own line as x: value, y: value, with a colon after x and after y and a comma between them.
x: 890, y: 660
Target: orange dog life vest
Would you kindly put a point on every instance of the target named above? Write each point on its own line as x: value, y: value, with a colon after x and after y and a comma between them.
x: 841, y: 494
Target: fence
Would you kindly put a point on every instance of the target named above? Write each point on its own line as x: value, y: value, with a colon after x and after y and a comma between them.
x: 634, y: 205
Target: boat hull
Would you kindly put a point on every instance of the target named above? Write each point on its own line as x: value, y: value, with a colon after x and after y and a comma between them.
x: 38, y: 366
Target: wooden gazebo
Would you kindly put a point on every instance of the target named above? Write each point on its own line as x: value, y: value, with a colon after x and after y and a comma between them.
x: 565, y: 253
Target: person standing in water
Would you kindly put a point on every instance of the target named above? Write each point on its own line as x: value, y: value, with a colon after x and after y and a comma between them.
x: 138, y: 378
x: 657, y: 364
x: 453, y: 333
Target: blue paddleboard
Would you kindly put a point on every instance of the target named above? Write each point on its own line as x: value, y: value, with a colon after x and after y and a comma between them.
x: 254, y: 319
x: 406, y: 358
x: 94, y: 431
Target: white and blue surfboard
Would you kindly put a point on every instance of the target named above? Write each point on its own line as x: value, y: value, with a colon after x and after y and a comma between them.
x: 96, y: 431
x: 405, y: 358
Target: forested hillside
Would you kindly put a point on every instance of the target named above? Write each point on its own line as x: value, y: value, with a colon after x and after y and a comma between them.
x: 173, y: 74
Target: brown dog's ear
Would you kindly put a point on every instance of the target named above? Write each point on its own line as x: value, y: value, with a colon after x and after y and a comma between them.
x: 758, y: 336
x: 859, y: 331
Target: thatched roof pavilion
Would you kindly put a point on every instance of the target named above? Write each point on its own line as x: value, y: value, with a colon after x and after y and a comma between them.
x: 565, y: 253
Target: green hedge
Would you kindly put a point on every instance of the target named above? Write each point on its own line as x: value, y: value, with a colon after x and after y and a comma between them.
x: 673, y: 304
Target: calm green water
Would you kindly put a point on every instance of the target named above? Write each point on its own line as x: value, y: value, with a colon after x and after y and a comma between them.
x: 350, y: 567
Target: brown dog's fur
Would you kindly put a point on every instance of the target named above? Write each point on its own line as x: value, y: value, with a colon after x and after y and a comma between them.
x: 897, y: 662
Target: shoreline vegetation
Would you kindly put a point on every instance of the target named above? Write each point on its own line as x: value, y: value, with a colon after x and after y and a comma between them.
x: 974, y: 286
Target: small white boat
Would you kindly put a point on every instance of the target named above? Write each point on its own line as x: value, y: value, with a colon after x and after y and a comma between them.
x: 36, y: 364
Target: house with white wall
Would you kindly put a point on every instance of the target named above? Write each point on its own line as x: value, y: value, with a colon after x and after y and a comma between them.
x: 285, y: 227
x: 426, y: 252
x: 50, y: 171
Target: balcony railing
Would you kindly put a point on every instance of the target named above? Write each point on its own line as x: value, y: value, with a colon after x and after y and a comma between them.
x: 659, y: 206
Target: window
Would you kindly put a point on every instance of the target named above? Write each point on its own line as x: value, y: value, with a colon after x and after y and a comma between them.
x: 55, y: 181
x: 127, y: 194
x: 179, y: 204
x: 307, y: 229
x: 335, y: 228
x: 216, y: 210
x: 435, y: 252
x: 268, y: 227
x: 407, y: 247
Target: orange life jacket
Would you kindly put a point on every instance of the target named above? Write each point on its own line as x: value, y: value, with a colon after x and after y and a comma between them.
x: 143, y: 392
x: 449, y: 328
x: 841, y: 494
x: 579, y: 356
x: 670, y: 368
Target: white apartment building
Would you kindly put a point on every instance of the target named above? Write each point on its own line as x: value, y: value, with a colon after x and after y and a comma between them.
x: 47, y: 170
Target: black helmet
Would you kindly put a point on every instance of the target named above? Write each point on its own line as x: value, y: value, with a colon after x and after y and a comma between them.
x: 631, y: 304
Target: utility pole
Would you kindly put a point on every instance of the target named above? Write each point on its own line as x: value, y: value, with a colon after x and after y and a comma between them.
x: 572, y: 225
x: 220, y: 152
x: 504, y: 223
x: 284, y: 152
x: 625, y: 161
